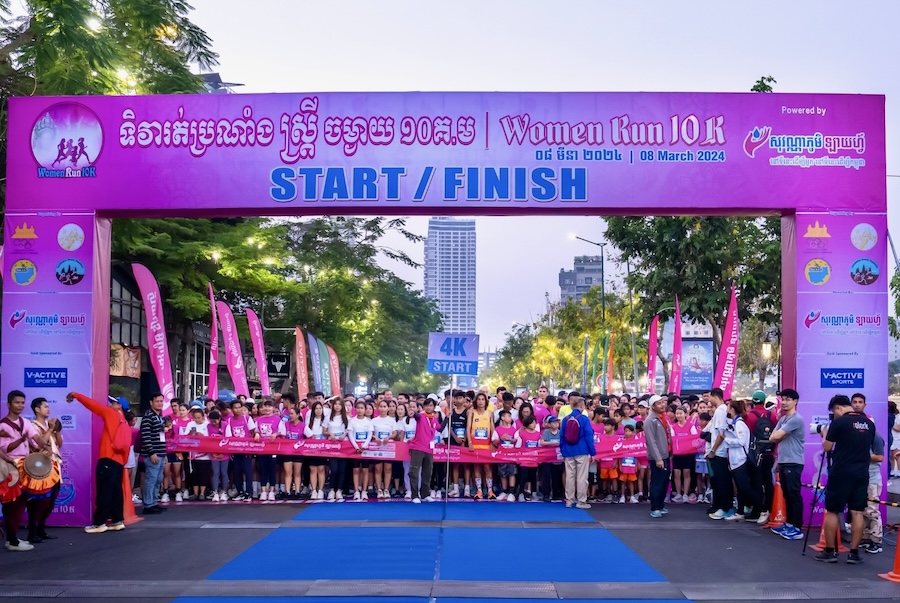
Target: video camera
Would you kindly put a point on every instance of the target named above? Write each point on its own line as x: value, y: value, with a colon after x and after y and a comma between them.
x: 818, y: 423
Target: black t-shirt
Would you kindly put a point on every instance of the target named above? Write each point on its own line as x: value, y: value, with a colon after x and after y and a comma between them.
x: 852, y: 434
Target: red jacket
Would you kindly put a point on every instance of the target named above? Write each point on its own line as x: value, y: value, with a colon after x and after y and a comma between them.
x: 111, y: 421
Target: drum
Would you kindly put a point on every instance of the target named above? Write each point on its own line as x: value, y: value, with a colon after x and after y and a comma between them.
x: 37, y: 473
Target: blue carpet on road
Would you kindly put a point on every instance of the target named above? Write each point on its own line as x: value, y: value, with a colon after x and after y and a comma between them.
x: 401, y: 600
x: 393, y: 511
x: 471, y: 554
x: 456, y: 511
x: 337, y: 554
x: 515, y: 512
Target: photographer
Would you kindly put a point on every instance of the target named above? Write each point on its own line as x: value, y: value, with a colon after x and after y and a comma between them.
x: 848, y: 439
x: 790, y: 436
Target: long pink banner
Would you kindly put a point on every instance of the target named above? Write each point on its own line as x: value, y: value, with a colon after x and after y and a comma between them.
x: 335, y: 370
x: 726, y: 368
x: 652, y: 344
x: 675, y: 375
x: 156, y: 334
x: 259, y: 351
x: 300, y: 363
x: 233, y: 349
x: 213, y: 387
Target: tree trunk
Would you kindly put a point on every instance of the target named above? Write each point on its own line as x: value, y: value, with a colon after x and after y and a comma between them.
x: 762, y: 378
x: 292, y: 372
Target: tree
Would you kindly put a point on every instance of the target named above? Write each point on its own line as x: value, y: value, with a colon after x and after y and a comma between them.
x: 764, y: 84
x: 751, y: 357
x: 75, y: 47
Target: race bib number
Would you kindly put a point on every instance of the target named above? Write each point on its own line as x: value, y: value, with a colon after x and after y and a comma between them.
x: 481, y: 434
x: 360, y: 437
x: 383, y: 434
x: 338, y: 434
x: 410, y: 435
x: 629, y: 461
x: 506, y: 444
x: 459, y: 432
x: 531, y: 444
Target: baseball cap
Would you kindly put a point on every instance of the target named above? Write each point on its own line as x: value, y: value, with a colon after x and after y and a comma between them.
x: 553, y: 419
x: 653, y: 400
x: 432, y: 398
x: 120, y: 400
x: 644, y: 404
x: 788, y: 393
x: 759, y: 396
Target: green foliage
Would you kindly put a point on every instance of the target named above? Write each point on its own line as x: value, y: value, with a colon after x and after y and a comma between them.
x: 751, y: 360
x: 764, y: 84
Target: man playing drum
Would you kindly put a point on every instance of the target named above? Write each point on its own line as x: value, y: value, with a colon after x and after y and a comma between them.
x: 18, y: 438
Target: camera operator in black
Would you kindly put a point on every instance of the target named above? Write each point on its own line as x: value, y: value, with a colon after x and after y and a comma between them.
x: 848, y: 439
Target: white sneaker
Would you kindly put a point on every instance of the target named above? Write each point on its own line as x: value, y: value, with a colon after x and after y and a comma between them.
x: 407, y: 496
x: 511, y: 497
x: 467, y: 492
x: 417, y: 500
x: 331, y: 495
x: 365, y: 495
x: 215, y: 497
x: 454, y: 492
x: 678, y: 499
x: 379, y: 494
x: 271, y: 495
x: 356, y: 495
x: 164, y: 498
x: 735, y: 517
x: 437, y: 495
x: 717, y: 515
x: 116, y: 527
x: 22, y: 546
x: 95, y: 529
x: 429, y: 499
x: 521, y: 497
x: 633, y: 500
x: 339, y: 495
x: 763, y: 518
x: 179, y: 497
x: 223, y: 496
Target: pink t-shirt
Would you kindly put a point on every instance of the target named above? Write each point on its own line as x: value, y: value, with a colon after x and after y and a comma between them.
x: 294, y: 432
x: 179, y: 424
x: 530, y: 439
x: 540, y: 413
x: 503, y: 430
x: 240, y: 427
x: 12, y: 434
x: 268, y: 425
x: 424, y: 437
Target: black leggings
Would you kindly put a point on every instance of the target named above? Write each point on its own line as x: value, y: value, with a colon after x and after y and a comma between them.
x: 202, y: 473
x: 266, y: 465
x: 527, y: 475
x: 338, y: 473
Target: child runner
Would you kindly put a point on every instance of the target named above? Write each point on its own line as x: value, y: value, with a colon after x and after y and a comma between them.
x: 240, y: 425
x: 383, y: 431
x: 338, y: 431
x: 360, y: 435
x: 201, y: 465
x: 609, y: 472
x: 552, y: 472
x: 480, y: 432
x: 683, y: 463
x: 270, y: 427
x: 506, y: 439
x: 315, y: 430
x: 219, y: 462
x: 704, y: 490
x: 628, y: 471
x: 293, y: 464
x: 529, y: 437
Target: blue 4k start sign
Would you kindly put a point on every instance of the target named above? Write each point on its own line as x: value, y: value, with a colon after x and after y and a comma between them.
x: 453, y: 353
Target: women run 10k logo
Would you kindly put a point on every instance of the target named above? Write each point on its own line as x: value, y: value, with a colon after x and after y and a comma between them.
x: 66, y: 141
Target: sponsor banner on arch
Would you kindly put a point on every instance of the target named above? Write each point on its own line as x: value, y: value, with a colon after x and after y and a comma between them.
x: 276, y: 153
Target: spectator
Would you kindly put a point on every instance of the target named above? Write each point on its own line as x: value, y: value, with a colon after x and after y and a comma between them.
x: 656, y: 436
x: 153, y: 449
x: 737, y: 442
x: 872, y: 529
x: 790, y: 437
x: 723, y: 490
x: 577, y: 452
x: 762, y: 454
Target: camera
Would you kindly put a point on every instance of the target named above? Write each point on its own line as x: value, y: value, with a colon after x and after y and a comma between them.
x: 820, y: 423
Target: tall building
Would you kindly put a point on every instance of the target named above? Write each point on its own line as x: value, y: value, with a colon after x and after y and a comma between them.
x: 450, y: 271
x: 586, y: 273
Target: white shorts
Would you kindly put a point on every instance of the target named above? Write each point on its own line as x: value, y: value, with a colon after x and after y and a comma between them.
x: 132, y: 462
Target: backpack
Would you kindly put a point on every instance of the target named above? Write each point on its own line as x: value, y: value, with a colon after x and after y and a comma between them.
x: 121, y: 440
x: 762, y: 431
x: 572, y: 432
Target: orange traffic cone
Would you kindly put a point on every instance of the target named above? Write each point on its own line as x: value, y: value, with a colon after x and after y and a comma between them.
x: 820, y: 546
x: 894, y: 574
x: 778, y: 515
x: 129, y: 513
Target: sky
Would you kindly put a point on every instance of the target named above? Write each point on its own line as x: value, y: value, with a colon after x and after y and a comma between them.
x: 821, y: 46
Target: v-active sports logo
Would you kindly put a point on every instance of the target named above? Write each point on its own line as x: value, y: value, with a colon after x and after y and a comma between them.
x: 813, y: 143
x: 46, y: 377
x: 845, y: 324
x: 842, y: 377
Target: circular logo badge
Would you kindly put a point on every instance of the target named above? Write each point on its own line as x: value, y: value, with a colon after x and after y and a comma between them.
x: 817, y: 272
x: 70, y: 237
x: 24, y: 272
x: 70, y: 272
x: 66, y: 491
x: 864, y: 272
x: 864, y: 236
x: 67, y: 136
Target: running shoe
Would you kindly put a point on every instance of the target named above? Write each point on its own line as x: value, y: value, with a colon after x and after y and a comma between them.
x: 827, y: 557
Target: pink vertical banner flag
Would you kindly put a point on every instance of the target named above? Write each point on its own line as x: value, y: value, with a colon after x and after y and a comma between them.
x: 156, y: 334
x: 300, y: 363
x: 335, y: 369
x: 259, y: 351
x: 651, y: 354
x: 233, y: 349
x: 675, y: 375
x: 727, y: 365
x: 213, y: 388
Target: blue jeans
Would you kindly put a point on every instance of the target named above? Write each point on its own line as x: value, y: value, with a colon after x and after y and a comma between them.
x: 659, y: 483
x: 242, y: 465
x: 153, y: 477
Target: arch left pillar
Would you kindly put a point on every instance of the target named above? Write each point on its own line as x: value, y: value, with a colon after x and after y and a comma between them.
x: 55, y: 333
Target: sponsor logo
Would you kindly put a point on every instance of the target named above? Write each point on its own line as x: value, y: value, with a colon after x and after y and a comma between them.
x: 70, y: 272
x: 845, y: 324
x: 831, y: 378
x: 49, y: 324
x: 46, y: 377
x: 817, y: 237
x: 817, y: 271
x: 864, y: 236
x: 23, y: 273
x: 23, y: 238
x: 756, y: 138
x: 66, y: 141
x: 864, y: 272
x: 67, y: 421
x: 70, y: 237
x: 822, y: 149
x: 66, y: 492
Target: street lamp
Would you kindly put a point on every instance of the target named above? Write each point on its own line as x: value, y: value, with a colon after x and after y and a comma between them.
x: 602, y: 246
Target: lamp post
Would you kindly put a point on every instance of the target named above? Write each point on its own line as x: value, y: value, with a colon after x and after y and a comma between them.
x: 602, y: 246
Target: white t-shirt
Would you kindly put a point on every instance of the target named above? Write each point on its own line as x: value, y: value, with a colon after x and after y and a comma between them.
x: 336, y: 427
x: 383, y: 427
x: 201, y: 430
x: 719, y: 425
x: 360, y: 431
x: 407, y: 428
x: 314, y: 431
x: 736, y: 444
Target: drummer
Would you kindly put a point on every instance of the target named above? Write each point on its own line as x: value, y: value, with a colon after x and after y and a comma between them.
x: 18, y: 438
x: 40, y: 507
